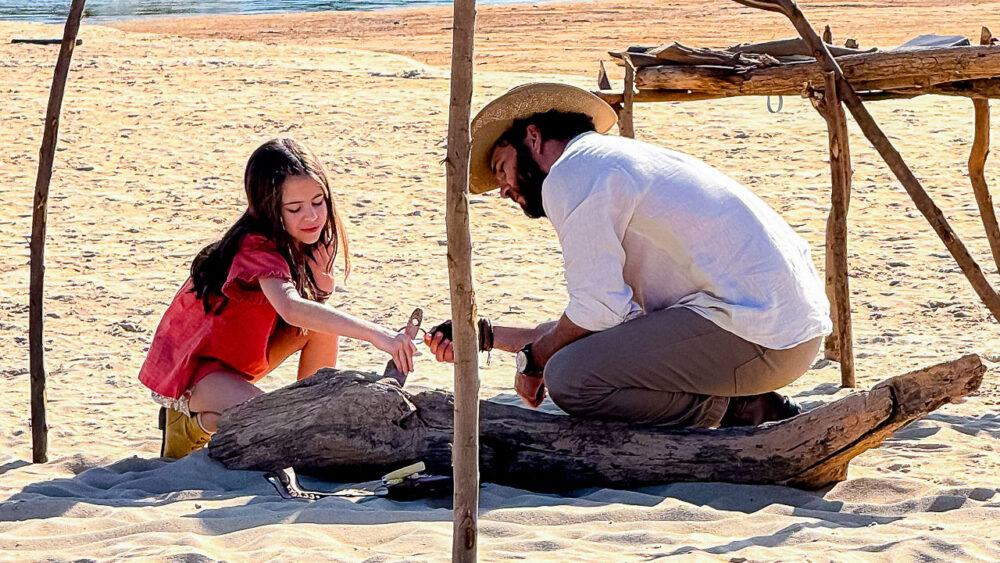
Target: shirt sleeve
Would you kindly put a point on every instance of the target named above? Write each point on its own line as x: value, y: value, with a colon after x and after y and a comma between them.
x: 257, y: 259
x: 590, y: 217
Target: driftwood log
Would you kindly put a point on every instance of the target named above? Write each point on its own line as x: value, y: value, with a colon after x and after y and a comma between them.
x: 890, y: 70
x: 347, y: 426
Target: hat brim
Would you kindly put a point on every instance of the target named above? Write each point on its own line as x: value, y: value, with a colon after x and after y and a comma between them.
x: 520, y: 102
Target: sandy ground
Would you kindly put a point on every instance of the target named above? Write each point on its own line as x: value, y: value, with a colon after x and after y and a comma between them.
x: 158, y: 120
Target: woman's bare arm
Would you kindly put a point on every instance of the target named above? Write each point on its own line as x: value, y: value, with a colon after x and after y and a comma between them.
x: 310, y: 315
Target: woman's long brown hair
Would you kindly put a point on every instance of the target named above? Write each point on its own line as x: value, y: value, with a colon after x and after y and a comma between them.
x: 266, y: 171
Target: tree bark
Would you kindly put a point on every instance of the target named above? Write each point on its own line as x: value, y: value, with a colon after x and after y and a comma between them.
x: 39, y: 220
x: 346, y: 426
x: 890, y: 70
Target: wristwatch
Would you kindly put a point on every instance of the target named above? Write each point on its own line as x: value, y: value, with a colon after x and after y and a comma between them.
x: 526, y: 363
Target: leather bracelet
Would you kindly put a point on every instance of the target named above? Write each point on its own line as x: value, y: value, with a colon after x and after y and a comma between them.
x: 485, y: 335
x: 485, y: 330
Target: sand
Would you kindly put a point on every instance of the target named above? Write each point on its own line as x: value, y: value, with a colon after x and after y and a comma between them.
x: 159, y: 118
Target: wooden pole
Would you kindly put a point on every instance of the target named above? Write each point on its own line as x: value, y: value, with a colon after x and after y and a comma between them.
x: 626, y: 124
x: 465, y: 450
x: 889, y: 154
x: 836, y: 248
x: 977, y: 165
x: 46, y: 157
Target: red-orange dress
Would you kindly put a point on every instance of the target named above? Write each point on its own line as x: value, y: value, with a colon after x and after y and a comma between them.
x: 190, y: 343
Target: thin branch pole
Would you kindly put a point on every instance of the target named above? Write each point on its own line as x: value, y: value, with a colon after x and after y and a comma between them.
x: 39, y: 217
x: 977, y: 166
x: 465, y: 453
x: 840, y: 172
x: 626, y: 123
x: 889, y: 154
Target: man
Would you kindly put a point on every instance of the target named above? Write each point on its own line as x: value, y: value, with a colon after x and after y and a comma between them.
x: 690, y: 300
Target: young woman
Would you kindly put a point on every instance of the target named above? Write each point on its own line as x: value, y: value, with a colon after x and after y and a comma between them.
x: 254, y: 298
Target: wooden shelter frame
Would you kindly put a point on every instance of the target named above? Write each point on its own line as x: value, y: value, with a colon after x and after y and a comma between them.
x: 836, y: 89
x: 832, y: 83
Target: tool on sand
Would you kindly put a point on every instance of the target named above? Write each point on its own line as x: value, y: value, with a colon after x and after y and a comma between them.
x: 404, y: 484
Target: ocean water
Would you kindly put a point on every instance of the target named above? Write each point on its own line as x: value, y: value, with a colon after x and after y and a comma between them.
x: 54, y: 11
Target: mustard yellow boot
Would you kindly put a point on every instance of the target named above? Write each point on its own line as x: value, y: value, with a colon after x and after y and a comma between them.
x: 182, y: 434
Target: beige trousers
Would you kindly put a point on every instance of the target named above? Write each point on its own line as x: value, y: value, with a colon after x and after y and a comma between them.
x: 671, y: 367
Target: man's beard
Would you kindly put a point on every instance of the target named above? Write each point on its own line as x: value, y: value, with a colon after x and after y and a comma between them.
x: 529, y: 182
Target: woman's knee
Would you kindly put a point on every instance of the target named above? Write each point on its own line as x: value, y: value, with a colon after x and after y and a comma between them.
x: 219, y: 391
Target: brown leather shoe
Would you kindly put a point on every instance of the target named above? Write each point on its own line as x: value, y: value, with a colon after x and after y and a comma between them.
x: 182, y: 434
x: 758, y: 409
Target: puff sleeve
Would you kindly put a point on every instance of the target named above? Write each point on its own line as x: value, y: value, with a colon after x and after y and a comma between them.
x: 257, y: 259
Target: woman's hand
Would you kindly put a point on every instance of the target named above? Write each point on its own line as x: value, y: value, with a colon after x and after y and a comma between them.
x: 321, y: 266
x: 398, y: 346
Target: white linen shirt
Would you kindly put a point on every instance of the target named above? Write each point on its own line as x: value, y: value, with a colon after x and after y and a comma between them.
x: 644, y: 228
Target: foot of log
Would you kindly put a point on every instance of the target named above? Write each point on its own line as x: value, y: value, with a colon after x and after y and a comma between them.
x: 346, y: 426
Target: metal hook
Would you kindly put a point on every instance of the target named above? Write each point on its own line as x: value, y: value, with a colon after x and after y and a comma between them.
x: 781, y: 104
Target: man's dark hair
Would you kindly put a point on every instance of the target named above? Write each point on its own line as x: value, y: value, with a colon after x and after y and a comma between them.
x: 552, y: 124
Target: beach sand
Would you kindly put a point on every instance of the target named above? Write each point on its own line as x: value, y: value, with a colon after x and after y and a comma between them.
x: 158, y: 120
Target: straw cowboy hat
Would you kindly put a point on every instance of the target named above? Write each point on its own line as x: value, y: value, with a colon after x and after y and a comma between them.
x: 524, y: 101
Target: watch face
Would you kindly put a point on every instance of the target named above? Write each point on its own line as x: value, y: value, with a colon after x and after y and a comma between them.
x: 522, y: 361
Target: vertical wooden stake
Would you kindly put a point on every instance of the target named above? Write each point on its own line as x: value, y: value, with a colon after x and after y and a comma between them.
x: 625, y: 123
x: 840, y: 172
x: 977, y: 165
x: 465, y: 452
x: 602, y: 78
x: 39, y: 216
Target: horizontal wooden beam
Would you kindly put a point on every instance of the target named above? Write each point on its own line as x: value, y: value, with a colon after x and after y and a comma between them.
x: 984, y: 88
x: 890, y: 70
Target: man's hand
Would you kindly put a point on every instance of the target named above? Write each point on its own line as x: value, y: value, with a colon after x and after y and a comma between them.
x: 439, y: 340
x: 530, y: 389
x: 440, y: 346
